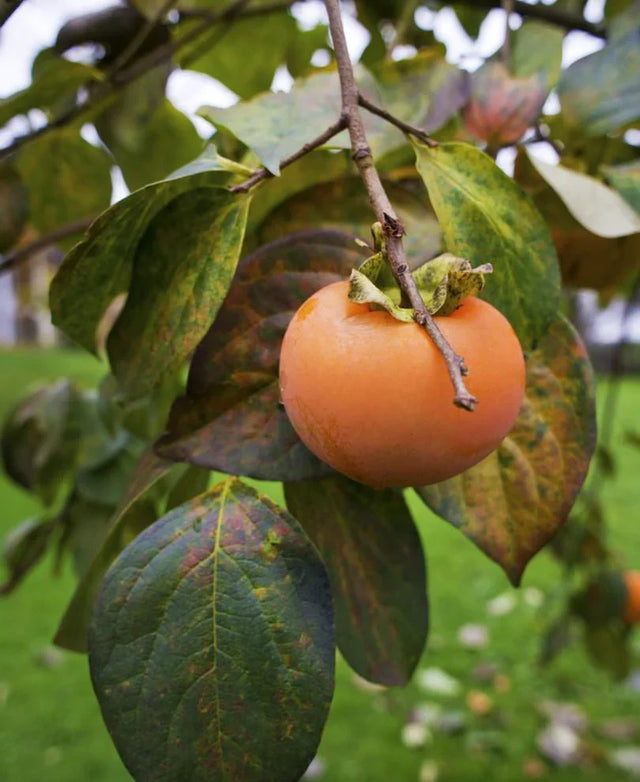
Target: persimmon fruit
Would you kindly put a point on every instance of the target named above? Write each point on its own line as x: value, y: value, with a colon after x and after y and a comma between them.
x: 631, y: 580
x: 371, y: 396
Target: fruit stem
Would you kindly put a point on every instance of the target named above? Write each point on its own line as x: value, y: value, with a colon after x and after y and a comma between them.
x: 384, y: 212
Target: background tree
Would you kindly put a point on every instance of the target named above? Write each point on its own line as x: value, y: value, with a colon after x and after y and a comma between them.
x: 211, y: 615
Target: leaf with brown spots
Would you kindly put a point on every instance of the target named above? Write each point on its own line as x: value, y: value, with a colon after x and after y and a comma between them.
x: 99, y: 269
x: 373, y: 553
x: 211, y: 647
x: 177, y: 286
x: 514, y: 501
x: 136, y: 510
x: 487, y: 218
x: 230, y: 418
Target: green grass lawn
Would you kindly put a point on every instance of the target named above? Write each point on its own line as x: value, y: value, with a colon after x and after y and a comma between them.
x: 50, y: 725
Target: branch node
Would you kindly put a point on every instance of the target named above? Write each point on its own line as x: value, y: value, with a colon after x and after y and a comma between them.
x: 361, y: 153
x: 393, y: 227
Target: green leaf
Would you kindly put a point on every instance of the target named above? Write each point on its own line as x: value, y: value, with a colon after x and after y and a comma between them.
x: 151, y: 8
x: 608, y: 648
x: 626, y: 180
x: 98, y: 269
x: 14, y: 206
x: 516, y: 499
x: 276, y: 124
x: 372, y: 551
x: 136, y: 511
x: 536, y: 47
x: 470, y: 18
x: 302, y: 46
x: 226, y: 57
x: 443, y: 282
x: 79, y: 174
x: 424, y: 90
x: 586, y: 260
x: 230, y: 419
x: 149, y: 149
x: 602, y: 601
x: 84, y: 523
x: 297, y: 203
x: 624, y: 15
x: 211, y: 646
x: 182, y: 270
x: 318, y: 167
x: 23, y: 548
x: 39, y: 446
x: 54, y: 79
x: 487, y: 218
x: 601, y: 92
x: 597, y: 207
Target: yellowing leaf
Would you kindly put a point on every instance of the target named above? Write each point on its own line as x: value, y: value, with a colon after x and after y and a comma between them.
x: 594, y: 205
x: 516, y: 499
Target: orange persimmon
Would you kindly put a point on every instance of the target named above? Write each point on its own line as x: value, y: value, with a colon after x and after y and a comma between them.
x: 631, y: 580
x: 371, y: 396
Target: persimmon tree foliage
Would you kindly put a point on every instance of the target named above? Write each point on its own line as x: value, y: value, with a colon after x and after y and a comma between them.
x: 210, y: 614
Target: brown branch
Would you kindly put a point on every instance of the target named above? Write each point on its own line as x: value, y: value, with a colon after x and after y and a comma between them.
x: 138, y: 40
x: 384, y: 211
x: 264, y: 173
x: 546, y: 13
x: 403, y: 126
x: 505, y: 51
x: 22, y: 254
x: 201, y: 13
x: 7, y: 7
x: 104, y: 93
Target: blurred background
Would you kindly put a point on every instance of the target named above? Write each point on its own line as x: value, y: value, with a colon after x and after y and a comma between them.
x: 490, y: 696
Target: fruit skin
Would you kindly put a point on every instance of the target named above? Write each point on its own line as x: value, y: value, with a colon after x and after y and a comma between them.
x: 372, y: 397
x: 632, y: 606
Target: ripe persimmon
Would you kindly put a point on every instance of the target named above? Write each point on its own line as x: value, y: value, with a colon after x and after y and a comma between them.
x: 371, y: 396
x: 631, y: 580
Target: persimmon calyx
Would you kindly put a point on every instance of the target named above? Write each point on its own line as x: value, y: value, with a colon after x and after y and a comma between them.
x: 443, y: 282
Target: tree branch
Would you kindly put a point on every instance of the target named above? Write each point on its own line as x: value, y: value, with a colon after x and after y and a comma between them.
x: 202, y: 13
x: 22, y: 254
x: 263, y: 173
x: 403, y: 126
x: 138, y: 40
x: 104, y: 93
x: 547, y: 13
x: 7, y: 8
x: 384, y: 211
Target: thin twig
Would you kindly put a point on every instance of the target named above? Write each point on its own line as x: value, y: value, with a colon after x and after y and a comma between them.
x: 138, y: 40
x: 402, y: 25
x: 505, y: 51
x: 384, y: 211
x: 546, y: 13
x: 7, y: 7
x: 120, y: 80
x: 260, y: 10
x: 403, y: 126
x: 22, y: 254
x: 263, y: 173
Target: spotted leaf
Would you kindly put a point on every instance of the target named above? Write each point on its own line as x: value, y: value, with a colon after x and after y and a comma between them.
x: 211, y: 647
